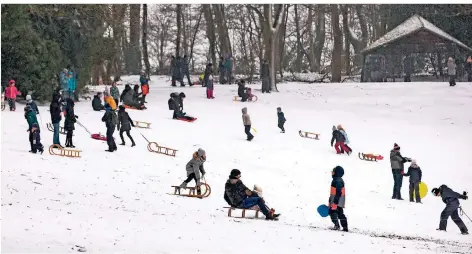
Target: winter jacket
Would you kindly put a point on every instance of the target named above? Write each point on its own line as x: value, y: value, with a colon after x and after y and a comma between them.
x: 281, y: 117
x: 127, y: 97
x: 70, y: 116
x: 241, y: 89
x: 33, y: 106
x: 235, y: 193
x: 110, y: 119
x: 64, y: 81
x: 55, y: 109
x: 338, y: 136
x: 143, y: 80
x: 195, y: 165
x: 184, y: 66
x: 265, y: 73
x: 246, y: 118
x: 72, y: 82
x: 30, y: 116
x: 346, y: 138
x: 11, y: 92
x: 208, y: 73
x: 414, y: 172
x: 451, y: 68
x: 124, y: 121
x: 337, y: 193
x: 115, y: 92
x: 221, y: 67
x: 180, y: 102
x: 210, y: 83
x: 176, y: 72
x: 111, y: 102
x: 229, y: 64
x: 449, y: 196
x: 97, y: 103
x: 397, y: 162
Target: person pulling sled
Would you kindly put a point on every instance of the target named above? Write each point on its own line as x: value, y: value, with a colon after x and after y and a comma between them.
x: 451, y: 199
x: 194, y: 167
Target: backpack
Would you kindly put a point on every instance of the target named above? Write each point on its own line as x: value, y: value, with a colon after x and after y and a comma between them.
x: 171, y: 104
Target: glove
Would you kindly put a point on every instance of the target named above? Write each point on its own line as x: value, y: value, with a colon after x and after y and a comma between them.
x: 333, y: 206
x: 76, y: 117
x: 464, y: 194
x: 132, y: 124
x: 203, y: 172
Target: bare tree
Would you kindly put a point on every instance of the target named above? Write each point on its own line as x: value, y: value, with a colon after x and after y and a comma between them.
x: 320, y: 33
x: 134, y: 34
x: 336, y: 61
x: 210, y: 31
x: 347, y: 44
x: 179, y: 29
x: 144, y: 41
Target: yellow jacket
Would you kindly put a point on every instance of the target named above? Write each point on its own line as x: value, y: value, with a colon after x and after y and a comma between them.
x: 111, y: 102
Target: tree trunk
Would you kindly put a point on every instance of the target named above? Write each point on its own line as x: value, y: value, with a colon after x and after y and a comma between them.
x: 179, y: 30
x: 320, y: 33
x: 298, y: 60
x: 185, y: 29
x: 223, y: 37
x: 194, y: 37
x: 347, y: 45
x: 144, y: 42
x: 134, y: 34
x: 311, y: 39
x: 336, y: 61
x: 282, y: 37
x: 210, y: 32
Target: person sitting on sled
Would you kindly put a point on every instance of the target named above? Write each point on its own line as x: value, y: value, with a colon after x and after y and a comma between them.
x: 451, y: 199
x: 238, y: 195
x: 242, y: 90
x: 194, y: 167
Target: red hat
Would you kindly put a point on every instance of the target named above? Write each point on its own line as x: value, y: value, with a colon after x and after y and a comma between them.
x: 12, y: 81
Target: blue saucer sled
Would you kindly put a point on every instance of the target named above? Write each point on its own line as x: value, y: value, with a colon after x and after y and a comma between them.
x: 323, y: 210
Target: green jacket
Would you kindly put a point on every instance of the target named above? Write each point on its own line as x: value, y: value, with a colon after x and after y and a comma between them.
x: 115, y: 92
x: 31, y: 118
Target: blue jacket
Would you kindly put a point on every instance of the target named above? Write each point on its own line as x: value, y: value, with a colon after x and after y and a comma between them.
x: 64, y: 80
x: 143, y: 80
x: 345, y: 137
x: 72, y: 82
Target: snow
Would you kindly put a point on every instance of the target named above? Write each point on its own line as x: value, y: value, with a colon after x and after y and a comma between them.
x: 118, y: 202
x: 411, y: 26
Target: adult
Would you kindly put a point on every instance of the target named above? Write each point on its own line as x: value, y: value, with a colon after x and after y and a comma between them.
x: 97, y: 102
x: 55, y: 110
x: 144, y: 85
x: 115, y: 92
x: 69, y: 123
x: 451, y: 71
x: 72, y: 86
x: 408, y: 68
x: 451, y: 199
x: 176, y: 71
x: 64, y: 82
x: 221, y: 70
x: 265, y: 76
x: 229, y: 69
x: 397, y: 162
x: 468, y: 68
x: 127, y: 97
x: 124, y: 125
x: 240, y: 196
x: 185, y: 69
x: 110, y: 120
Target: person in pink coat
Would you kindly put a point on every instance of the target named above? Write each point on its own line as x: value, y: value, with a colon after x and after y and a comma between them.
x: 10, y: 94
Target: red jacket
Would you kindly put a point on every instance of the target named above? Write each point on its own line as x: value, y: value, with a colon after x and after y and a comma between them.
x: 11, y: 92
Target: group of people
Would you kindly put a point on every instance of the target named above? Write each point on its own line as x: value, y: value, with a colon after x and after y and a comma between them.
x: 225, y: 69
x: 68, y: 83
x: 179, y: 68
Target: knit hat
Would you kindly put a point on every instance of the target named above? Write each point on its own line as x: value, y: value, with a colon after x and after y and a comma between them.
x: 396, y: 146
x: 334, y: 128
x: 201, y: 152
x: 340, y: 127
x: 279, y: 108
x: 234, y: 173
x: 28, y: 98
x: 413, y: 162
x: 12, y: 81
x: 435, y: 191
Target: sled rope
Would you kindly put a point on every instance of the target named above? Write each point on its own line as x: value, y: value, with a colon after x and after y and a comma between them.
x: 84, y: 127
x: 463, y: 213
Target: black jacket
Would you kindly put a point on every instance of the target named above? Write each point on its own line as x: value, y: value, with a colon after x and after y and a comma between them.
x: 449, y: 196
x: 124, y: 121
x: 241, y: 89
x: 108, y: 119
x: 70, y: 116
x: 281, y: 117
x: 55, y: 109
x: 33, y: 106
x: 97, y: 103
x: 414, y: 172
x: 338, y: 136
x: 235, y: 194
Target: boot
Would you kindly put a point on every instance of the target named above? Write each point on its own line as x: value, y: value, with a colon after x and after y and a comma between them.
x: 133, y: 144
x: 465, y: 233
x: 336, y: 227
x: 345, y: 229
x: 122, y: 143
x: 183, y: 185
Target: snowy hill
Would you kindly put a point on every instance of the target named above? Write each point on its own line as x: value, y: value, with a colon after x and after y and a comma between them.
x: 118, y: 202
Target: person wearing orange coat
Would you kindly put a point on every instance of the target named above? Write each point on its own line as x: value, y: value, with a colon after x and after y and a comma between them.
x: 109, y: 99
x: 144, y: 85
x: 10, y: 94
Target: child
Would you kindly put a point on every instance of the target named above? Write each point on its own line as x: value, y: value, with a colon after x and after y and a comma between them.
x: 337, y: 199
x: 97, y: 102
x: 109, y: 100
x: 414, y: 172
x: 36, y: 139
x: 339, y: 137
x: 210, y: 87
x: 10, y: 94
x: 124, y: 125
x: 194, y: 167
x: 281, y: 118
x: 115, y: 92
x: 247, y: 124
x: 451, y: 71
x: 451, y: 199
x: 69, y: 122
x: 346, y: 140
x: 144, y: 85
x: 32, y: 104
x: 30, y: 117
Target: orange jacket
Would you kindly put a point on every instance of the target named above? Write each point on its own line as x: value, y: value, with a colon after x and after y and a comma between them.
x: 111, y: 102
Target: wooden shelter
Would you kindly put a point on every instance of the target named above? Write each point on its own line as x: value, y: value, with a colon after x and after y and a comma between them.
x: 416, y: 35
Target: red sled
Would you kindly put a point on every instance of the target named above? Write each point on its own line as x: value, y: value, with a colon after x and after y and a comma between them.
x: 187, y: 119
x: 370, y: 157
x: 99, y: 137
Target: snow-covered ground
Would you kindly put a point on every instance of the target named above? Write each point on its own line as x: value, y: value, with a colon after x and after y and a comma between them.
x: 118, y: 202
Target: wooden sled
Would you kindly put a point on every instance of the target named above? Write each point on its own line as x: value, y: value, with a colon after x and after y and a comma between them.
x: 139, y: 124
x: 161, y: 149
x: 251, y: 98
x: 305, y: 134
x: 370, y: 157
x: 192, y: 191
x: 51, y: 128
x: 73, y: 153
x: 243, y: 211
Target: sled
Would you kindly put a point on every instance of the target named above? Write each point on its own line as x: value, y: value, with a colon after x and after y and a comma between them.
x: 323, y: 210
x: 305, y: 134
x: 192, y: 191
x: 51, y: 128
x: 98, y: 136
x: 144, y: 125
x: 423, y: 190
x: 161, y: 149
x: 65, y: 152
x: 251, y: 98
x: 86, y: 97
x: 243, y: 211
x: 186, y: 119
x: 129, y: 107
x: 3, y: 105
x: 370, y: 157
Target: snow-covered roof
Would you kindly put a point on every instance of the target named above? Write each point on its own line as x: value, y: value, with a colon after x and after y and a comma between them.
x: 410, y: 26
